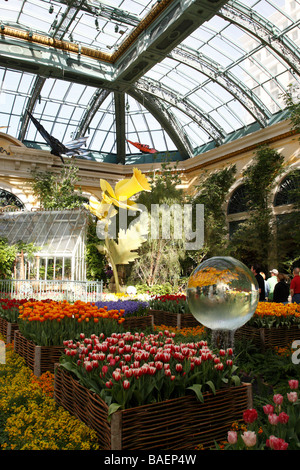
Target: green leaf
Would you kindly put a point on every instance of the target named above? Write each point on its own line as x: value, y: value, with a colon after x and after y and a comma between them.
x: 197, y: 389
x: 112, y: 409
x: 236, y: 380
x: 211, y: 386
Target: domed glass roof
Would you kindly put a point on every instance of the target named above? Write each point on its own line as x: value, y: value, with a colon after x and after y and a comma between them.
x: 177, y: 76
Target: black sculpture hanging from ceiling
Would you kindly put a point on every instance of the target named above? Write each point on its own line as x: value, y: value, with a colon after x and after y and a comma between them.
x: 70, y: 149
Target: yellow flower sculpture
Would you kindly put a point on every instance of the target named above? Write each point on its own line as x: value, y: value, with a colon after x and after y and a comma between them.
x: 104, y: 210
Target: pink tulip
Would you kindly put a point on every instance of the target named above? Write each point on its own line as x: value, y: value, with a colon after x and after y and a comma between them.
x: 249, y: 438
x: 116, y: 375
x: 268, y: 409
x: 273, y: 418
x: 276, y: 443
x: 232, y: 437
x: 292, y: 397
x: 278, y: 399
x: 126, y: 384
x: 283, y: 417
x: 293, y: 384
x: 249, y: 416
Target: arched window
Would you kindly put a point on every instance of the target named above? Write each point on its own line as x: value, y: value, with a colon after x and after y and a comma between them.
x: 238, y: 201
x: 288, y: 189
x: 9, y: 199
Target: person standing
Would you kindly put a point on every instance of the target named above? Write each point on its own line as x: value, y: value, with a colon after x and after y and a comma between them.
x: 295, y: 286
x: 260, y: 281
x: 281, y: 290
x: 271, y: 282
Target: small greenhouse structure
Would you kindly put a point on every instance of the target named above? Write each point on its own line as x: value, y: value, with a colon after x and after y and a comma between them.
x: 59, y: 238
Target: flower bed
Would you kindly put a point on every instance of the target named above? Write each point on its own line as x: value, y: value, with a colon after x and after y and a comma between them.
x: 49, y: 324
x: 9, y: 309
x: 132, y: 308
x: 179, y: 423
x: 110, y: 366
x: 9, y: 316
x: 142, y: 383
x: 39, y: 359
x: 272, y: 325
x: 172, y: 310
x: 43, y: 327
x: 30, y: 417
x: 277, y: 428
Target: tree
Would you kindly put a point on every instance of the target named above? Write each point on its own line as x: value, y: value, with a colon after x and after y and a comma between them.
x: 58, y: 191
x: 287, y: 226
x: 212, y: 192
x: 255, y: 238
x: 95, y: 261
x: 8, y: 255
x: 159, y: 260
x: 293, y: 106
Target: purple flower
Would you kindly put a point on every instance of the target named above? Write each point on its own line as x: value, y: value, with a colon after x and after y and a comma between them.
x: 131, y: 307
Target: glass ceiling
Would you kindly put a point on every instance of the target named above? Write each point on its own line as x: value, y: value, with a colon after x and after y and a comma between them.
x: 224, y: 78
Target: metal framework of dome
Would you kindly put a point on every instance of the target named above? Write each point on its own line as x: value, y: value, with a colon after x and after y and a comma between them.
x: 177, y: 75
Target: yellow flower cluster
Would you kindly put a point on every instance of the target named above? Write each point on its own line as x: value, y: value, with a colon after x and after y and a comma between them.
x: 47, y: 427
x: 187, y: 331
x: 276, y: 309
x: 31, y: 418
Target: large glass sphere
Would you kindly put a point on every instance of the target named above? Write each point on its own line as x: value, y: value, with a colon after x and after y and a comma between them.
x: 222, y: 293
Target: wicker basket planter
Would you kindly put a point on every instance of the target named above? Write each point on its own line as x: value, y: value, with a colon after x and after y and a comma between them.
x: 39, y: 359
x: 131, y: 323
x: 178, y: 320
x: 265, y: 338
x: 180, y: 423
x: 7, y: 330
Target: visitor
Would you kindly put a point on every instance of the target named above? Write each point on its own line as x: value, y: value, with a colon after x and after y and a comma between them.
x: 281, y: 290
x: 260, y: 281
x: 271, y: 282
x: 295, y: 286
x: 265, y: 282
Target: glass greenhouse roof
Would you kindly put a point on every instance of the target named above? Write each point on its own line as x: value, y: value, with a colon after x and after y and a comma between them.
x: 175, y: 75
x: 53, y: 232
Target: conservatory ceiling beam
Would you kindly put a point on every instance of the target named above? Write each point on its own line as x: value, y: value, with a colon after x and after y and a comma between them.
x: 106, y: 11
x: 166, y: 119
x: 120, y: 126
x: 162, y: 29
x: 177, y: 21
x: 225, y: 79
x: 264, y: 30
x: 54, y: 63
x: 202, y: 119
x: 35, y: 94
x: 62, y: 25
x: 96, y: 101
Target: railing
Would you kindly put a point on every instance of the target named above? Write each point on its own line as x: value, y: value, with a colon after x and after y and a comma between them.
x: 86, y: 291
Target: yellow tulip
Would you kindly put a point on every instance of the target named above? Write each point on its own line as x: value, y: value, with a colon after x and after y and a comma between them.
x: 126, y: 188
x: 99, y: 209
